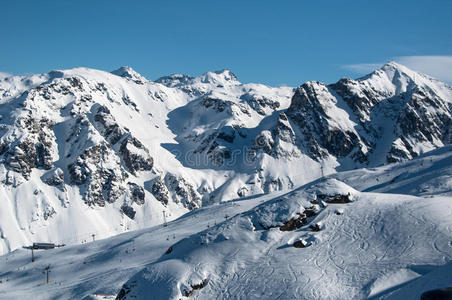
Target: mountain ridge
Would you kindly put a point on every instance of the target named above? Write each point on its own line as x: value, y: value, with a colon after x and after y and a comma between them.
x: 127, y: 148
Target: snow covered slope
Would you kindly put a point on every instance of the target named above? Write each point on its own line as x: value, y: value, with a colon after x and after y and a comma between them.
x: 364, y: 249
x: 323, y: 240
x: 82, y: 153
x: 426, y: 175
x: 86, y: 152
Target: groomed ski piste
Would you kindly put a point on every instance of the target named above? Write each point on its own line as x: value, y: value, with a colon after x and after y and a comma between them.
x: 389, y: 237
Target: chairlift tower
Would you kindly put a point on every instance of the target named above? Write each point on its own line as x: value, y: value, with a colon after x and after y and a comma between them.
x: 47, y: 271
x: 164, y: 219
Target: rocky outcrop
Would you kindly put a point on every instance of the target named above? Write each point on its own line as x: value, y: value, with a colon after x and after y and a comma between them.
x: 35, y: 149
x: 320, y: 135
x: 97, y: 169
x: 279, y: 141
x: 294, y: 223
x: 194, y: 287
x: 128, y: 211
x: 260, y: 104
x: 160, y: 191
x: 183, y: 192
x: 55, y: 178
x: 137, y: 193
x: 107, y: 125
x: 360, y: 98
x: 177, y: 189
x: 425, y: 119
x: 135, y: 156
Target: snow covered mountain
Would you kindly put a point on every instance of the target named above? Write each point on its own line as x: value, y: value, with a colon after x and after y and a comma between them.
x: 391, y: 115
x: 88, y: 152
x: 345, y: 236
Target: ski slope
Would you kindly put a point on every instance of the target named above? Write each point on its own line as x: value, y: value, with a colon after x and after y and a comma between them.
x: 426, y: 175
x: 381, y: 245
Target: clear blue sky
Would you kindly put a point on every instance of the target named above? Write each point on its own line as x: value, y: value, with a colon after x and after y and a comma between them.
x: 273, y: 42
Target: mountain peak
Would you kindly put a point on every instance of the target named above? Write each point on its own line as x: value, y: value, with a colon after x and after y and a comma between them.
x: 395, y: 76
x: 392, y: 67
x: 218, y: 76
x: 129, y: 73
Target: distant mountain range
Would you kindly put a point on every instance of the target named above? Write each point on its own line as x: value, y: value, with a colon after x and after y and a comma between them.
x: 86, y: 152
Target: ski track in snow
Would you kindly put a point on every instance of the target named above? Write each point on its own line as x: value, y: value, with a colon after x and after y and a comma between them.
x: 339, y: 265
x: 390, y: 232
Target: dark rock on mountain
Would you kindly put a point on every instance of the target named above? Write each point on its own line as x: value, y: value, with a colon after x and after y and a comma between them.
x: 183, y: 192
x: 160, y: 191
x: 177, y: 189
x: 294, y: 223
x: 135, y: 156
x: 137, y: 192
x: 308, y: 111
x: 55, y: 177
x: 335, y: 199
x: 103, y: 180
x: 128, y: 211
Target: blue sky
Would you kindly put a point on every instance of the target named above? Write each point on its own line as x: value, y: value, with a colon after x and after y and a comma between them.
x: 272, y: 42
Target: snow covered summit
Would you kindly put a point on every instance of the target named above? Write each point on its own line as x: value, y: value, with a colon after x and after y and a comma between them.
x: 91, y: 152
x: 128, y: 72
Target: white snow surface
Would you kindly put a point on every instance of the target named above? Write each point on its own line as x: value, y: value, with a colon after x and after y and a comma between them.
x: 378, y: 246
x: 32, y: 211
x: 392, y: 241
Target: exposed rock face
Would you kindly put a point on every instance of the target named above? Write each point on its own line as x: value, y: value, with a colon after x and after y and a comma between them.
x: 392, y: 113
x: 107, y: 126
x: 335, y: 199
x: 175, y: 80
x: 97, y: 169
x: 177, y: 189
x: 218, y: 105
x: 135, y: 156
x: 320, y: 134
x: 29, y: 144
x: 300, y: 244
x: 126, y: 288
x: 55, y: 177
x: 276, y: 141
x: 160, y: 191
x: 128, y: 211
x: 137, y: 192
x: 260, y: 103
x: 194, y: 287
x: 425, y: 119
x: 94, y: 131
x: 359, y: 98
x: 295, y: 223
x: 184, y: 192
